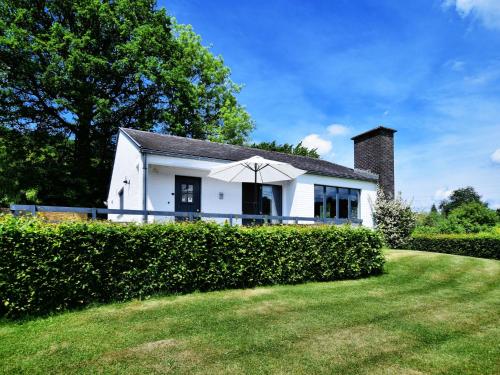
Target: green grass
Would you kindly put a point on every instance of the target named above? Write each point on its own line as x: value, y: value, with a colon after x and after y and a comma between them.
x: 429, y: 313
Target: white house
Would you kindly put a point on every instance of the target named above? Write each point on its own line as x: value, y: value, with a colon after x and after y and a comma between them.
x: 157, y: 172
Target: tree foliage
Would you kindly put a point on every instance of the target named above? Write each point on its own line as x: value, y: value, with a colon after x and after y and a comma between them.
x: 34, y: 168
x: 458, y: 198
x: 287, y: 148
x: 474, y: 217
x: 462, y: 212
x: 81, y: 69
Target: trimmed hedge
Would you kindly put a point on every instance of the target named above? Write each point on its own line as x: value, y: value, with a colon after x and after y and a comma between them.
x: 483, y: 245
x: 47, y: 267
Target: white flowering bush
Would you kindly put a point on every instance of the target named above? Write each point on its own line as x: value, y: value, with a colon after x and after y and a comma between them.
x: 394, y: 218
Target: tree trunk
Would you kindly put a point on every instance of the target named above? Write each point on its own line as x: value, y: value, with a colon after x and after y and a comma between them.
x: 82, y: 169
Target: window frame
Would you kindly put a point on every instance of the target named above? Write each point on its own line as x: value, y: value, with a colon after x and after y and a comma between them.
x: 187, y: 192
x: 350, y: 192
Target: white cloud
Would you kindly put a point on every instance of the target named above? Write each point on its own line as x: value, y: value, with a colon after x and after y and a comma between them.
x: 322, y: 146
x: 495, y: 157
x: 442, y: 194
x: 337, y: 129
x: 488, y: 11
x: 455, y: 65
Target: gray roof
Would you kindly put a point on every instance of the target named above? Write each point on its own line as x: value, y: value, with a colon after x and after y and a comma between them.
x: 187, y: 147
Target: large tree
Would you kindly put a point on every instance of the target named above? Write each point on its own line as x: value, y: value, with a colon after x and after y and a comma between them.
x: 34, y: 168
x: 460, y: 197
x: 83, y: 68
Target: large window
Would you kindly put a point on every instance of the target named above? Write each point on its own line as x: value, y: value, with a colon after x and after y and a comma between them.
x: 336, y: 203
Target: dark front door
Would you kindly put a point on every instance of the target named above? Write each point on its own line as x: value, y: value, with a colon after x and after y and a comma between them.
x: 187, y: 194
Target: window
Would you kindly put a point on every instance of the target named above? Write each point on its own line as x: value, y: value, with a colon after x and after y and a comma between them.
x: 271, y: 201
x: 187, y: 191
x: 331, y: 202
x: 354, y: 198
x: 336, y: 203
x: 343, y: 198
x: 120, y: 198
x: 318, y: 201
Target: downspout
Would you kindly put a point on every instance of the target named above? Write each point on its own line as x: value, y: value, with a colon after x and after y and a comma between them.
x: 145, y: 186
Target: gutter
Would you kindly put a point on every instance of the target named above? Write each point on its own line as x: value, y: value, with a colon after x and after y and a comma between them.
x: 144, y: 185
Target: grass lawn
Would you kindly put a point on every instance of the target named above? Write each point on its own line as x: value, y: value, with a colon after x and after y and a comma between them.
x: 429, y: 313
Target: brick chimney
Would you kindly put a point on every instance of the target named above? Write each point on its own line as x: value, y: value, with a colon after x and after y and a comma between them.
x: 374, y: 152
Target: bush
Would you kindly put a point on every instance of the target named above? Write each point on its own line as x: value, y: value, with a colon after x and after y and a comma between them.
x: 473, y: 217
x: 394, y: 218
x: 48, y: 267
x: 468, y: 218
x: 483, y: 245
x: 439, y: 224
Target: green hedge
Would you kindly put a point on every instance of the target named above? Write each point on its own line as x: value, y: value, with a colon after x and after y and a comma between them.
x: 48, y: 267
x: 483, y: 245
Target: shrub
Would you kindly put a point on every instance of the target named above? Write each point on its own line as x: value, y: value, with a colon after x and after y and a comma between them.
x: 483, y: 245
x: 394, y: 218
x: 473, y: 217
x: 431, y: 219
x: 437, y: 223
x: 48, y: 267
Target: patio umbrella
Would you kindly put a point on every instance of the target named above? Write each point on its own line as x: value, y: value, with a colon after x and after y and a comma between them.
x: 257, y: 170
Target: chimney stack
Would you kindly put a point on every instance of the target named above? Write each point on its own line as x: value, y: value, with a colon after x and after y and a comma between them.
x: 374, y: 152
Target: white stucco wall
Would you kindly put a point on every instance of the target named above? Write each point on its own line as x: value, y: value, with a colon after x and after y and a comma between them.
x: 127, y: 166
x: 298, y: 195
x: 161, y: 188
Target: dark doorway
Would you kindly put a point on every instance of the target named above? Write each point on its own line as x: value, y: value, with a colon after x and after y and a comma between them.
x: 269, y: 201
x: 187, y: 194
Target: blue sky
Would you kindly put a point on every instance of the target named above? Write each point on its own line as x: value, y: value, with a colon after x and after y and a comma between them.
x: 323, y: 71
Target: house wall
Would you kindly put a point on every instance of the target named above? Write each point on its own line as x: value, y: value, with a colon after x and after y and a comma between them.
x: 161, y: 188
x: 127, y: 166
x: 298, y: 195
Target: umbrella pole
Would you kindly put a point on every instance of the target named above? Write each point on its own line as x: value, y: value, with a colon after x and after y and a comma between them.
x: 255, y: 192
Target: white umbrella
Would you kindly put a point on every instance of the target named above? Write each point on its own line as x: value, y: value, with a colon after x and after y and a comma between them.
x: 257, y: 170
